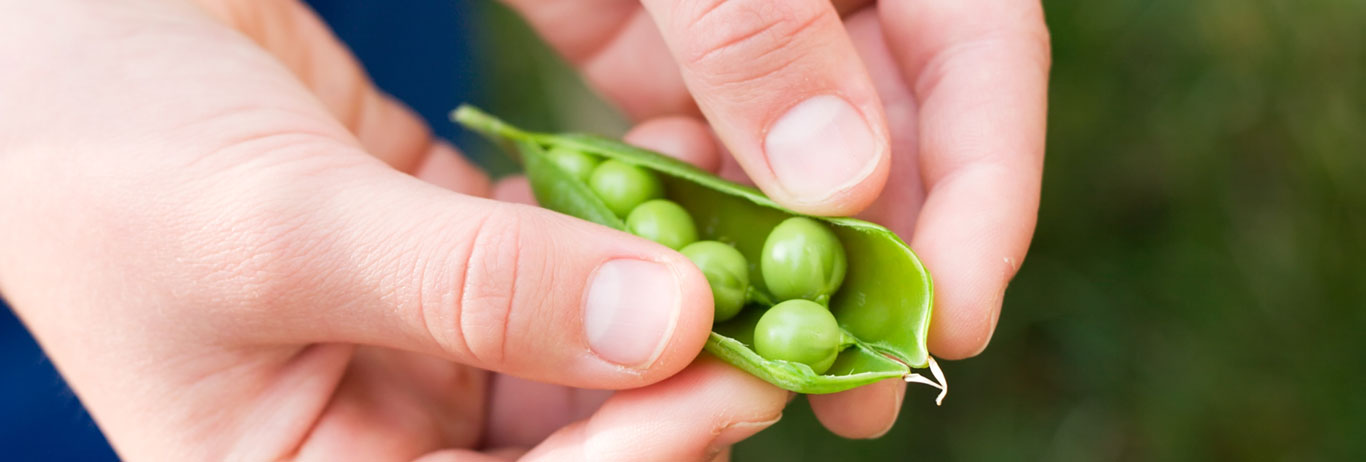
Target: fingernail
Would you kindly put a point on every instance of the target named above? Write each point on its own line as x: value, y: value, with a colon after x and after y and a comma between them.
x: 820, y: 147
x: 630, y: 312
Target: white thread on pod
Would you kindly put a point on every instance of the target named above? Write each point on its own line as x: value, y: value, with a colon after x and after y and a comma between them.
x: 942, y: 384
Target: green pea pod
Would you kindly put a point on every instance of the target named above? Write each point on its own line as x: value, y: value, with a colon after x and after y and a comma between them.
x: 883, y: 305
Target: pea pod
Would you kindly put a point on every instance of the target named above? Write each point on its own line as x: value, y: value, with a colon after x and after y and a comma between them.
x: 883, y: 306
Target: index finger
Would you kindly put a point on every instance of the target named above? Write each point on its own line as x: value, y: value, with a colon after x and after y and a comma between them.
x: 694, y: 415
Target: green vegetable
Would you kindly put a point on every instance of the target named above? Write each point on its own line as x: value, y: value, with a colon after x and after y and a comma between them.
x: 578, y: 164
x: 662, y: 221
x: 727, y: 273
x: 883, y: 306
x: 802, y: 258
x: 800, y: 331
x: 623, y: 186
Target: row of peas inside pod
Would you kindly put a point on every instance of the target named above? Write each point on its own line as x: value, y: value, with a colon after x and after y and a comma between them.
x: 810, y: 304
x: 802, y: 263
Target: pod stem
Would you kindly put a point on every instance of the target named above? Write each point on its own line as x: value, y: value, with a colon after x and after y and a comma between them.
x: 489, y: 126
x: 939, y: 381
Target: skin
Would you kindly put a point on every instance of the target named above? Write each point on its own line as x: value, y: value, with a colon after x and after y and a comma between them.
x: 961, y: 89
x: 662, y: 221
x: 235, y: 248
x: 191, y: 134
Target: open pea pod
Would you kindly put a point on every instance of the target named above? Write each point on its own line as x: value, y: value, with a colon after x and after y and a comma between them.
x: 883, y: 306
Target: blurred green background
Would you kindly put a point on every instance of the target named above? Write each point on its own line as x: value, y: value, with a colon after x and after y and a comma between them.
x: 1195, y: 287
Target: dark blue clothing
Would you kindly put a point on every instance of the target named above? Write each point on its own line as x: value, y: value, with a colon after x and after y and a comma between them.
x: 418, y: 51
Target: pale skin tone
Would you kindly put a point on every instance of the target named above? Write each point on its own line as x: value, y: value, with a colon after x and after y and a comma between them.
x: 235, y: 248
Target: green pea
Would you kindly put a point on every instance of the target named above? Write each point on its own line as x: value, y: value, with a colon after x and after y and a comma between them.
x: 577, y: 163
x: 623, y: 186
x: 727, y: 273
x: 800, y: 331
x: 802, y: 258
x: 662, y: 221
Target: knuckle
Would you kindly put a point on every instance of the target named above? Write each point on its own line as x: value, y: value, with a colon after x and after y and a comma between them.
x: 765, y: 37
x: 489, y: 286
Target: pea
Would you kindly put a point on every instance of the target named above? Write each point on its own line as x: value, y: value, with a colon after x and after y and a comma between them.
x: 623, y: 186
x: 662, y: 221
x: 800, y: 331
x: 727, y: 273
x: 577, y: 163
x: 802, y: 258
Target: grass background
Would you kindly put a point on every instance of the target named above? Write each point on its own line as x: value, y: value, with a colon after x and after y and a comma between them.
x: 1195, y: 287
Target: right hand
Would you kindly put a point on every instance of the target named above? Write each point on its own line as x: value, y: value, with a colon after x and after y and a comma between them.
x: 822, y: 102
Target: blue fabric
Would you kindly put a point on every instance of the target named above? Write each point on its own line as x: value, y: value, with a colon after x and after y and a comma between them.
x: 42, y: 419
x: 417, y: 51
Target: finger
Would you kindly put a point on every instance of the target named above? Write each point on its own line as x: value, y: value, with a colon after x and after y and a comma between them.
x: 870, y: 411
x: 684, y: 138
x: 522, y: 413
x: 864, y: 412
x: 617, y: 47
x: 393, y: 405
x: 849, y: 7
x: 515, y: 189
x: 446, y: 167
x: 619, y: 51
x: 300, y: 40
x: 785, y: 92
x: 980, y: 73
x: 465, y: 455
x: 386, y: 260
x: 900, y: 201
x: 691, y: 416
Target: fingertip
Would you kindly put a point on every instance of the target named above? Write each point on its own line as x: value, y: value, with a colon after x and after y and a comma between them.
x: 861, y: 413
x: 972, y: 234
x: 685, y: 138
x: 826, y: 156
x: 645, y: 308
x: 464, y: 455
x: 970, y: 282
x: 784, y: 88
x: 963, y: 328
x: 693, y: 415
x: 694, y: 320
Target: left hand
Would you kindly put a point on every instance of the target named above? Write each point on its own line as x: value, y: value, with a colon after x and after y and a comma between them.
x: 234, y: 247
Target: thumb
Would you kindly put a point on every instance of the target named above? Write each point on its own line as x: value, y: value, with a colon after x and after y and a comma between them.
x: 787, y: 94
x: 390, y: 261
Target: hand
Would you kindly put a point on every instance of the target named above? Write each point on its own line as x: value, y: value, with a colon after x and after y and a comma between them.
x: 947, y: 105
x: 212, y: 225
